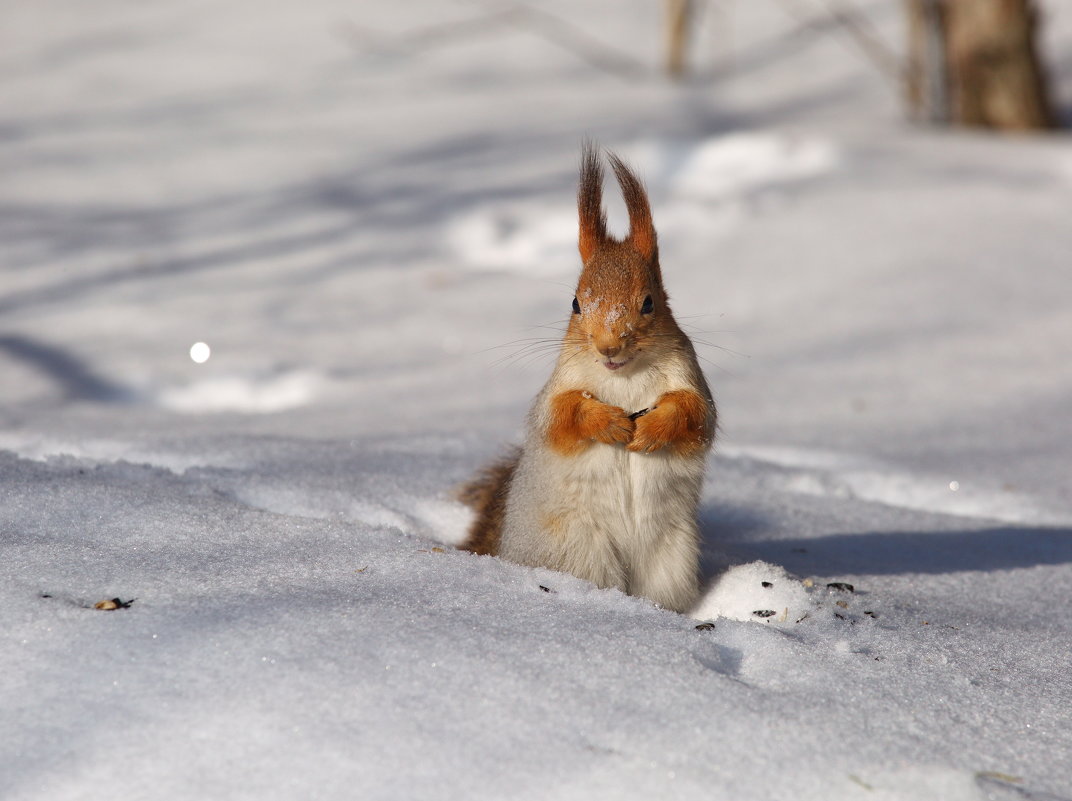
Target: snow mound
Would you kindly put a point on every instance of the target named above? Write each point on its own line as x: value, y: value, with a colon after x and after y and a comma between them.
x: 519, y: 237
x: 756, y: 591
x: 734, y: 165
x: 843, y: 475
x: 233, y: 393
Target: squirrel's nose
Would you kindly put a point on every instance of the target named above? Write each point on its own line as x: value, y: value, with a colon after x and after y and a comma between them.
x: 609, y: 350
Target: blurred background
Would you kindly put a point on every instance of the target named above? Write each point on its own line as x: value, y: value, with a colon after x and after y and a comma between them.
x: 349, y: 221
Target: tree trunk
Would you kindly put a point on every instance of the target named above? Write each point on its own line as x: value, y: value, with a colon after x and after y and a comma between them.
x: 976, y: 63
x: 678, y: 13
x: 928, y: 73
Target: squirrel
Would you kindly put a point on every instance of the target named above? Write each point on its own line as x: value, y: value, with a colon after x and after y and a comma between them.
x: 607, y: 482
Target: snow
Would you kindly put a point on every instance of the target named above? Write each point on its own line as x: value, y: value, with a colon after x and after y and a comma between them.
x: 757, y: 591
x: 354, y: 207
x: 735, y: 165
x: 273, y: 393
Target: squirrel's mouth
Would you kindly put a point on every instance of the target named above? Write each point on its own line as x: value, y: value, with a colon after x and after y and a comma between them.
x: 612, y: 365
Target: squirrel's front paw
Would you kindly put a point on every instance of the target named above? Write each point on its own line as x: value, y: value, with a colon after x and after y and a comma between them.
x: 578, y: 419
x: 650, y: 433
x: 613, y: 425
x: 677, y: 420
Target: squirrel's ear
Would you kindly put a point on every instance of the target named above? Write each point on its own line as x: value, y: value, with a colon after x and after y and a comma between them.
x: 593, y: 220
x: 641, y: 228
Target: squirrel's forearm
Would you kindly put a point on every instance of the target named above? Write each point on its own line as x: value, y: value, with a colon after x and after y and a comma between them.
x: 681, y: 420
x: 577, y: 420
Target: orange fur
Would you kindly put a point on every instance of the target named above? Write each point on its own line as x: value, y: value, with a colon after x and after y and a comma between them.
x: 641, y: 228
x: 486, y: 494
x: 592, y: 218
x: 578, y: 420
x: 678, y: 421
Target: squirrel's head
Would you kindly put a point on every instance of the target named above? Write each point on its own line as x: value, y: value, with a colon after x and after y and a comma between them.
x: 620, y: 307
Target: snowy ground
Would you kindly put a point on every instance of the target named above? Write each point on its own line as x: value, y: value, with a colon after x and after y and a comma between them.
x: 356, y: 205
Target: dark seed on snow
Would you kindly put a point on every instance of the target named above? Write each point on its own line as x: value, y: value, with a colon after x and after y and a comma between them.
x: 545, y: 589
x: 840, y: 586
x: 764, y: 613
x: 767, y: 584
x: 704, y: 626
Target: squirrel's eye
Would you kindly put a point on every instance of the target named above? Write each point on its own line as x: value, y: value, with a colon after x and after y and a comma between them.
x: 576, y: 306
x: 648, y: 307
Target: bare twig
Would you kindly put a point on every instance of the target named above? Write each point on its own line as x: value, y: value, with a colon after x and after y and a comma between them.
x: 422, y: 38
x: 574, y: 39
x: 544, y: 24
x: 859, y: 30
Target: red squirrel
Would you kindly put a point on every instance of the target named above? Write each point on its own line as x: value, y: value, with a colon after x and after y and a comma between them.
x: 608, y: 479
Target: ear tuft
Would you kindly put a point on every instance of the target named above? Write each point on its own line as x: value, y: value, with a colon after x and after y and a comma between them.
x: 593, y: 219
x: 641, y: 228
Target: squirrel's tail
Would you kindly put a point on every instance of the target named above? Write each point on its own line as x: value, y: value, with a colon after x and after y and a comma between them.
x: 486, y: 494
